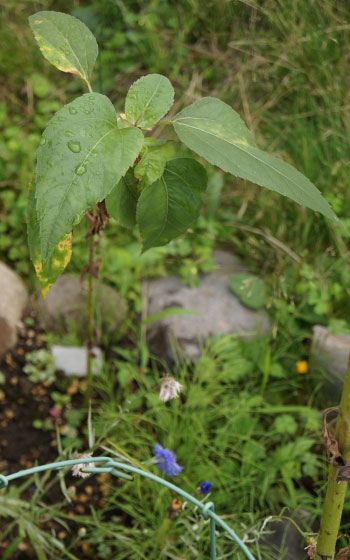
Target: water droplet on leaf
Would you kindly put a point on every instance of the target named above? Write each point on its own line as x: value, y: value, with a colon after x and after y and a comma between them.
x: 74, y: 146
x: 81, y: 169
x: 72, y: 110
x: 42, y: 141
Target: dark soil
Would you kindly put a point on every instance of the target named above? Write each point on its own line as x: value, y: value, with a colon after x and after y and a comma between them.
x: 24, y: 446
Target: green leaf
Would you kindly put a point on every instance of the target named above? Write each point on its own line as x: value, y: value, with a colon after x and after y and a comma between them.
x: 251, y: 290
x: 65, y: 41
x: 215, y: 131
x: 148, y: 100
x: 155, y: 154
x: 82, y: 156
x: 168, y: 207
x: 121, y: 203
x: 53, y: 268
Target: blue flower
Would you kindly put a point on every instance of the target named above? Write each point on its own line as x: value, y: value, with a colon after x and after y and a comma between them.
x: 205, y: 487
x: 166, y: 460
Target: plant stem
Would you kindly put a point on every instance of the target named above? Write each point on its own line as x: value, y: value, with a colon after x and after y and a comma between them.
x: 334, y: 502
x: 90, y: 322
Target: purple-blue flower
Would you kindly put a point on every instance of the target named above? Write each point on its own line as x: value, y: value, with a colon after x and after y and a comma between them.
x: 205, y: 487
x: 166, y: 460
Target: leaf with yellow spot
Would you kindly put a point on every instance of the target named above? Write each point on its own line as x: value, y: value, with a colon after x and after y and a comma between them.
x: 65, y: 41
x: 60, y: 257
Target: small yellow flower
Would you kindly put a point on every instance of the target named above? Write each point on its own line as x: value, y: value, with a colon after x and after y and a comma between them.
x: 302, y: 366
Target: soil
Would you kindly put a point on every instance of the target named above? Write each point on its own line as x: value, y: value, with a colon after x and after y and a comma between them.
x: 23, y: 446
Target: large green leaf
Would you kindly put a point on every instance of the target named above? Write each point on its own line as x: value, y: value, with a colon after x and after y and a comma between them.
x: 215, y: 131
x: 53, y: 268
x: 65, y: 41
x: 81, y: 158
x: 155, y: 153
x: 167, y: 208
x: 122, y: 200
x: 148, y: 100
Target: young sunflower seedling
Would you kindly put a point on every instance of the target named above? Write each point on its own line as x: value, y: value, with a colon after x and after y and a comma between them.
x: 96, y: 163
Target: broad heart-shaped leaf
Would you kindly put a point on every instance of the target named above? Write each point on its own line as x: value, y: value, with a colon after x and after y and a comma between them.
x: 122, y: 200
x: 168, y: 207
x: 251, y: 290
x: 60, y: 257
x: 65, y: 41
x: 215, y: 131
x: 155, y: 153
x: 81, y: 158
x: 148, y: 100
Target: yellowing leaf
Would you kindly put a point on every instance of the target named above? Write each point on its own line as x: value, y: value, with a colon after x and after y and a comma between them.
x: 65, y: 41
x: 61, y: 255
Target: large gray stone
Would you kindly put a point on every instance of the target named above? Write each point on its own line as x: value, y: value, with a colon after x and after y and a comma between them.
x: 219, y: 311
x: 330, y: 354
x: 13, y: 299
x: 64, y: 308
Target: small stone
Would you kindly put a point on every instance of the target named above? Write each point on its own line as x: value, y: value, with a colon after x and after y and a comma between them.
x: 13, y: 299
x: 330, y: 354
x: 72, y: 360
x: 282, y: 540
x: 73, y: 387
x: 83, y: 498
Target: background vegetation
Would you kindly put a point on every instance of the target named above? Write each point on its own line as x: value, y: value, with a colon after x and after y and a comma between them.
x: 283, y: 65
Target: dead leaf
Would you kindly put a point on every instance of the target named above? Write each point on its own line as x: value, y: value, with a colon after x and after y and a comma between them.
x: 343, y: 553
x: 333, y: 454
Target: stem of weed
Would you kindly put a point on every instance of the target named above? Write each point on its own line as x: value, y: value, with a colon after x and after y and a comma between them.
x: 334, y: 502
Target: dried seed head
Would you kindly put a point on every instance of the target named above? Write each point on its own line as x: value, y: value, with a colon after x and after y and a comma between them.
x: 170, y: 389
x: 77, y: 469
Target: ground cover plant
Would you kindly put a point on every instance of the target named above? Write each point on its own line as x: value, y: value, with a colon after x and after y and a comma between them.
x: 314, y: 285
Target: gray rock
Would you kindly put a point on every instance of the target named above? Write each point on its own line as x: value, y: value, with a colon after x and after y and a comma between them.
x: 282, y: 541
x: 72, y: 360
x: 13, y: 299
x: 64, y: 308
x: 330, y: 354
x: 219, y: 311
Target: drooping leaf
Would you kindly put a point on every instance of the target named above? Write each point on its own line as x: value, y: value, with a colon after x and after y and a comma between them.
x: 148, y: 100
x: 121, y: 202
x: 53, y: 268
x: 251, y: 290
x: 215, y: 131
x: 65, y: 41
x: 155, y: 153
x: 168, y: 207
x: 82, y: 156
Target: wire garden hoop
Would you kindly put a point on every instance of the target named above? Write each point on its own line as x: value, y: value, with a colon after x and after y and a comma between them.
x: 107, y: 464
